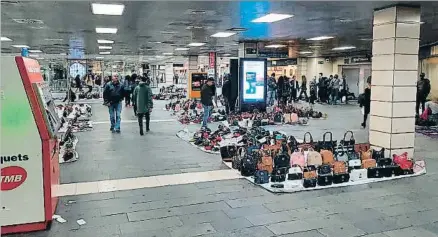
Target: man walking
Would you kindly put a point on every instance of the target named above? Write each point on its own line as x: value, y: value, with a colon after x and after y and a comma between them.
x: 226, y: 92
x: 144, y: 103
x: 423, y: 90
x: 112, y: 96
x: 207, y: 94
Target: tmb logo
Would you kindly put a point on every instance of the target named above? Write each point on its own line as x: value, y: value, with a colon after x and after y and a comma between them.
x: 12, y: 177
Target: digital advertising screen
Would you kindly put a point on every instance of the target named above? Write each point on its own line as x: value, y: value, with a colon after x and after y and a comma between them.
x: 253, y: 81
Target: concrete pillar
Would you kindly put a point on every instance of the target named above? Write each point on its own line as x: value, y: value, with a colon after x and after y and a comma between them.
x: 193, y: 63
x: 168, y: 72
x: 396, y: 33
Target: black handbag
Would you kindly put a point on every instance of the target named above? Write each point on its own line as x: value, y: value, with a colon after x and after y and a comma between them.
x: 378, y: 154
x: 228, y: 152
x: 307, y: 143
x: 399, y: 171
x: 292, y: 143
x: 348, y: 143
x: 375, y: 172
x: 341, y: 178
x: 324, y: 170
x: 249, y: 166
x: 282, y: 160
x: 324, y: 180
x: 384, y: 161
x: 326, y: 144
x: 278, y: 175
x: 388, y: 170
x: 261, y: 177
x: 309, y: 183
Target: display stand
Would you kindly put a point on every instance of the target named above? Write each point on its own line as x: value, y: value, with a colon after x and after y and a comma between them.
x: 252, y: 84
x: 29, y: 148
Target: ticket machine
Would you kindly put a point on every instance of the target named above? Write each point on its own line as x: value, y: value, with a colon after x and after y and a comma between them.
x: 195, y: 83
x: 28, y: 146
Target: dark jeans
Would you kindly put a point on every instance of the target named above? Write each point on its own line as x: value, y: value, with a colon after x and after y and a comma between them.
x: 135, y: 109
x: 232, y: 104
x: 90, y: 88
x: 303, y: 91
x: 127, y: 99
x: 140, y: 120
x: 365, y: 117
x: 227, y: 105
x: 422, y: 101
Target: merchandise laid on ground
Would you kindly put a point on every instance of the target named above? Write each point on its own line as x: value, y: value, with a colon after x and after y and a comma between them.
x: 281, y: 163
x: 170, y: 92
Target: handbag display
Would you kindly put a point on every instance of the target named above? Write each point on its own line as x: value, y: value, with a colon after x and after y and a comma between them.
x: 279, y: 174
x: 378, y: 154
x: 297, y: 158
x: 314, y: 158
x: 295, y: 173
x: 327, y: 157
x: 341, y: 178
x: 261, y: 177
x: 361, y: 147
x: 358, y: 174
x: 348, y: 143
x: 375, y: 172
x: 366, y: 155
x: 324, y: 169
x: 228, y: 152
x: 340, y: 167
x: 265, y: 163
x: 307, y: 142
x: 325, y: 179
x: 281, y: 160
x: 369, y: 163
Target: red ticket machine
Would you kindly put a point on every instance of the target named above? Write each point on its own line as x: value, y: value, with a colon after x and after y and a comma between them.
x: 29, y: 147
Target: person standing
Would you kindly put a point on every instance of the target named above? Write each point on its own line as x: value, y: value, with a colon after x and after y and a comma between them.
x: 423, y: 90
x: 344, y: 91
x: 303, y: 87
x: 78, y: 83
x: 366, y: 103
x: 272, y: 88
x: 143, y: 101
x: 89, y: 82
x: 226, y: 92
x: 207, y: 93
x: 313, y: 91
x: 112, y: 96
x: 127, y: 88
x: 293, y: 89
x: 336, y: 85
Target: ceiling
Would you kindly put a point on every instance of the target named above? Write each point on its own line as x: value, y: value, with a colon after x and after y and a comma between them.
x: 178, y: 23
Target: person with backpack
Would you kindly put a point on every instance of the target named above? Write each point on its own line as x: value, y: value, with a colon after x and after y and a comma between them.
x: 423, y: 90
x: 112, y: 96
x: 143, y: 101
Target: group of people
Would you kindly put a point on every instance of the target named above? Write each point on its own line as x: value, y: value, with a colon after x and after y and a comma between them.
x: 115, y: 92
x: 325, y: 90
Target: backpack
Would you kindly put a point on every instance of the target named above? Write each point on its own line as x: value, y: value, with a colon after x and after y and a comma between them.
x: 314, y: 158
x: 297, y: 158
x: 327, y: 157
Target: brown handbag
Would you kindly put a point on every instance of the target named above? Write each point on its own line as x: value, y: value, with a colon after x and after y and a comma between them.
x: 369, y: 163
x: 339, y: 167
x: 327, y: 157
x: 311, y: 174
x: 265, y: 163
x: 366, y: 155
x: 361, y: 147
x: 314, y: 158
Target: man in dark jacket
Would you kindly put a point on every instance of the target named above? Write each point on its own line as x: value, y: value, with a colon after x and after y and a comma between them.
x: 226, y: 92
x: 112, y: 96
x: 143, y: 101
x: 423, y: 90
x: 207, y: 93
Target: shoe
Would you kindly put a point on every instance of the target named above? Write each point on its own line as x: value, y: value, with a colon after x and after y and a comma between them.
x: 148, y: 130
x: 117, y: 131
x: 111, y: 129
x: 363, y: 125
x: 141, y: 132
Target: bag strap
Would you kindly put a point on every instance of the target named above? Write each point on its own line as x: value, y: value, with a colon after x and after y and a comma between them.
x: 311, y: 138
x: 331, y: 136
x: 351, y: 137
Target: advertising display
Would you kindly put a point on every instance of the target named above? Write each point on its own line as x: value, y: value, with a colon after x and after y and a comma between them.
x: 195, y: 83
x: 252, y: 82
x: 29, y: 147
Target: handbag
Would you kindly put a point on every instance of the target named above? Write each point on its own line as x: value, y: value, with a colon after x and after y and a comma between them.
x: 341, y: 178
x: 354, y: 164
x: 261, y: 177
x: 292, y: 143
x: 378, y: 154
x: 366, y: 155
x: 228, y: 152
x: 279, y: 175
x: 265, y: 163
x: 375, y: 172
x: 402, y: 161
x: 248, y: 166
x: 324, y: 169
x: 281, y: 160
x: 294, y: 118
x: 327, y: 157
x: 325, y: 179
x: 297, y: 158
x: 310, y: 177
x: 295, y: 173
x: 361, y: 147
x: 340, y: 167
x: 419, y: 166
x: 326, y: 144
x: 358, y: 174
x: 237, y: 159
x: 314, y: 158
x: 306, y: 144
x: 287, y: 118
x: 341, y: 153
x: 348, y: 143
x: 369, y: 163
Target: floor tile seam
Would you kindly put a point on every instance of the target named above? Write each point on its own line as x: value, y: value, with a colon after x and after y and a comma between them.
x: 164, y: 208
x: 177, y: 215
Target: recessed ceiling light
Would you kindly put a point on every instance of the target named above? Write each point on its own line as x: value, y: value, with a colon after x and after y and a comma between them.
x: 181, y: 49
x: 275, y: 46
x: 101, y: 30
x: 105, y: 52
x: 5, y: 39
x: 272, y: 17
x: 366, y: 39
x: 99, y: 57
x: 107, y: 9
x: 105, y: 41
x: 321, y: 38
x: 198, y: 12
x: 49, y: 39
x: 167, y: 53
x: 105, y: 47
x: 20, y: 46
x: 306, y: 52
x: 344, y: 48
x: 40, y: 58
x: 226, y: 55
x: 346, y: 20
x: 155, y: 42
x: 223, y: 34
x: 63, y: 54
x: 196, y: 44
x: 35, y: 51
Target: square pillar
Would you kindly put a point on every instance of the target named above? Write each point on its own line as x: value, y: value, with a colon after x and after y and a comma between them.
x: 396, y: 35
x: 193, y: 63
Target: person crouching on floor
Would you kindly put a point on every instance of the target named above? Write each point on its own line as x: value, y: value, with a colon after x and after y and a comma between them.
x: 112, y: 96
x: 144, y: 103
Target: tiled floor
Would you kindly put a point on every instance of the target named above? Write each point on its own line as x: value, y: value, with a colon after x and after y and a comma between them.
x: 125, y: 185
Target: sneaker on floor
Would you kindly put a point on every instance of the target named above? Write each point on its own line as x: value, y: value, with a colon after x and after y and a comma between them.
x: 111, y: 129
x: 117, y: 131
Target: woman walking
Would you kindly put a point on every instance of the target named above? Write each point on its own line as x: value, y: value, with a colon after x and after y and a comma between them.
x: 366, y: 103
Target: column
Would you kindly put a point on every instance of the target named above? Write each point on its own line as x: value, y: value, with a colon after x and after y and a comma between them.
x: 193, y: 63
x: 396, y: 33
x: 168, y: 73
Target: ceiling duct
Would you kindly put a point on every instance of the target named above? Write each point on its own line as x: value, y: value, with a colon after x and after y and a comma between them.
x: 29, y: 21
